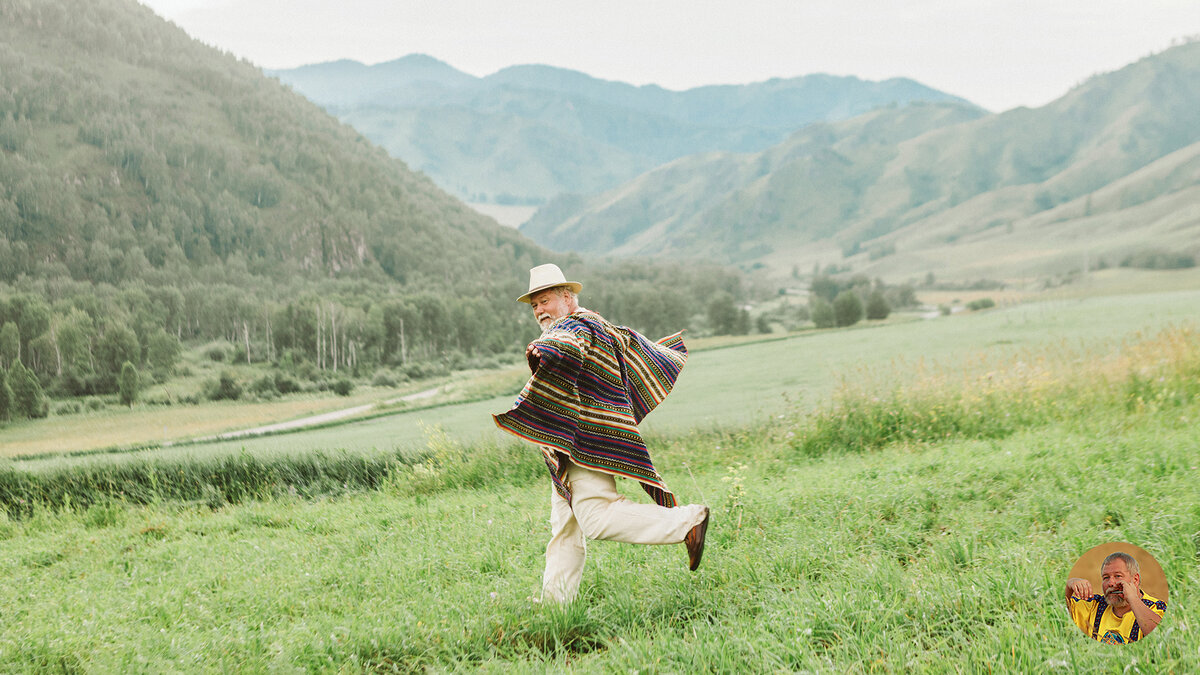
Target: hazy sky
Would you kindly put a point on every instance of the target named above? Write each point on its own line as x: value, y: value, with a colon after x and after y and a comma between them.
x: 997, y: 53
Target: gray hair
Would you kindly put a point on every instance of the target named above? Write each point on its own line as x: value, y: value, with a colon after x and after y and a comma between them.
x: 566, y: 291
x: 1131, y: 563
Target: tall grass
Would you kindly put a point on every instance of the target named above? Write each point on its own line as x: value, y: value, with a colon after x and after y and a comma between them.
x: 944, y: 557
x: 216, y: 481
x: 985, y: 399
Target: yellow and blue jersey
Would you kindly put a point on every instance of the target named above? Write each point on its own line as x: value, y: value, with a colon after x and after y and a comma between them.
x: 1096, y: 618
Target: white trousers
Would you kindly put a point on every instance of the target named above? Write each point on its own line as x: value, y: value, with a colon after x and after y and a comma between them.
x: 596, y: 511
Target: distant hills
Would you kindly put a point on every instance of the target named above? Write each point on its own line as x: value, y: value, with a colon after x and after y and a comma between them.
x: 528, y: 133
x: 1109, y: 169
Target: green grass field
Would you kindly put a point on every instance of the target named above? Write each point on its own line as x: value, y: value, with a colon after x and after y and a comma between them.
x: 908, y: 517
x: 938, y: 557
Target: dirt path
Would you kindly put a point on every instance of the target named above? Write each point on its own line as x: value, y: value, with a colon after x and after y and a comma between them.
x: 314, y: 420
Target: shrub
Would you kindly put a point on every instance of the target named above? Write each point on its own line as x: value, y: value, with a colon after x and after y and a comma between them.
x: 128, y: 384
x: 343, y: 387
x: 877, y: 306
x: 762, y: 324
x: 420, y: 371
x: 822, y: 314
x: 981, y: 303
x: 264, y: 385
x: 847, y: 308
x: 27, y: 396
x: 68, y: 408
x: 285, y: 384
x: 162, y: 350
x: 216, y: 354
x: 70, y: 384
x: 383, y: 378
x: 226, y: 388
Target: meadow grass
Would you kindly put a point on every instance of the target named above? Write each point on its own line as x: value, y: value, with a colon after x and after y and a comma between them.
x: 144, y: 425
x: 944, y: 551
x: 917, y: 557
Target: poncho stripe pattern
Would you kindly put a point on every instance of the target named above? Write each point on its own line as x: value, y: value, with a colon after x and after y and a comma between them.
x: 593, y: 384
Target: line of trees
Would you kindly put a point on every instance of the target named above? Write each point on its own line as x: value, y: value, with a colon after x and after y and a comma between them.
x: 844, y: 301
x: 75, y: 338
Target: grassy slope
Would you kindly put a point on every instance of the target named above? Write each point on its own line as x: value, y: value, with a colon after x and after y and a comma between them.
x: 916, y: 558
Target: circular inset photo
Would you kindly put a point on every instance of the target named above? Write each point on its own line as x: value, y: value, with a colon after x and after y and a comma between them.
x: 1116, y: 593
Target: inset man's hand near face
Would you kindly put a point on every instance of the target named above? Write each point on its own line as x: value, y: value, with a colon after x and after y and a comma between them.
x: 1130, y: 591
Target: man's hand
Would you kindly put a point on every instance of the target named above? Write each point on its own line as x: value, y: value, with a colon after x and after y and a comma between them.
x: 532, y: 357
x: 1131, y: 591
x: 1080, y: 588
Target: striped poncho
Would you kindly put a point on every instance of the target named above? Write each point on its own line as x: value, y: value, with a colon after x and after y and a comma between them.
x: 593, y: 384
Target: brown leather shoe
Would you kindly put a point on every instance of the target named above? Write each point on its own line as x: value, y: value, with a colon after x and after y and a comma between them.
x: 695, y: 542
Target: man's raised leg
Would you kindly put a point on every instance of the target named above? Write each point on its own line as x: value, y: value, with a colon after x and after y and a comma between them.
x: 602, y: 513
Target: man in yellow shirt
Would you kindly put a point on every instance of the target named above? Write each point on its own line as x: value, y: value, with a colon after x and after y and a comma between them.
x: 1124, y: 613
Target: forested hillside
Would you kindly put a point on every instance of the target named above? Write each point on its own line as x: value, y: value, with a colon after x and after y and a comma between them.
x: 123, y: 138
x: 155, y: 192
x: 528, y: 133
x: 1106, y: 171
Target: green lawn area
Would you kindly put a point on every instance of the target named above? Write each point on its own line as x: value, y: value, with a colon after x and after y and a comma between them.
x: 946, y: 557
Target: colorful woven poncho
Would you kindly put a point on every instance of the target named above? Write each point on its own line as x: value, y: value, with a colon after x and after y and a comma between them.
x: 593, y: 384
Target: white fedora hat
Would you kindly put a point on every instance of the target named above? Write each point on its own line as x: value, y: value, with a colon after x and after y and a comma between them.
x: 548, y: 276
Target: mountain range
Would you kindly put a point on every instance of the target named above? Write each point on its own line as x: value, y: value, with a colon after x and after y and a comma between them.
x: 528, y: 133
x: 1109, y: 169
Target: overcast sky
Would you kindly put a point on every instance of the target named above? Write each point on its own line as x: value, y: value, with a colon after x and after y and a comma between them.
x: 997, y: 53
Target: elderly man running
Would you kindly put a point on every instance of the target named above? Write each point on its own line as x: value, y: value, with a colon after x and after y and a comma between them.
x: 592, y: 383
